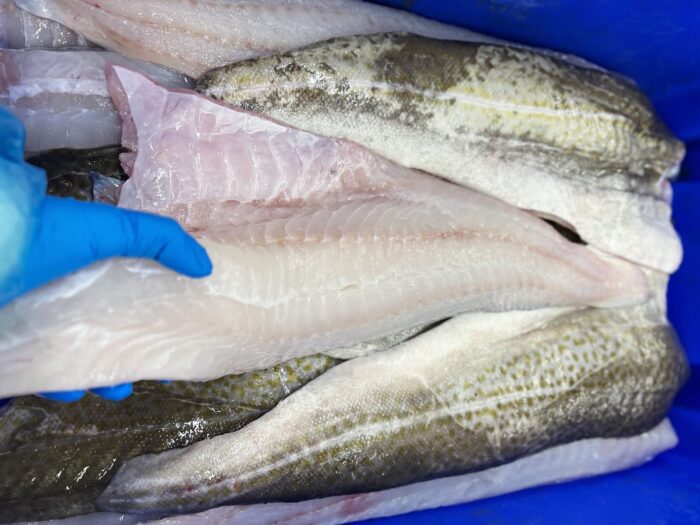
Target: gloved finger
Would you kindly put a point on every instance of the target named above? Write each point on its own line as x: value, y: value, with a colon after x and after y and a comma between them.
x: 114, y: 393
x: 12, y: 136
x: 67, y: 396
x: 165, y: 241
x: 74, y: 234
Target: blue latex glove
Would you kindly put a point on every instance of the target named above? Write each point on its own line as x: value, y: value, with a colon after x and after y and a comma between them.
x: 73, y: 234
x: 43, y: 238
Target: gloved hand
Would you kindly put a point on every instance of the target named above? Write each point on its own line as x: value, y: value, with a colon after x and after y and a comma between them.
x: 73, y: 234
x: 43, y: 238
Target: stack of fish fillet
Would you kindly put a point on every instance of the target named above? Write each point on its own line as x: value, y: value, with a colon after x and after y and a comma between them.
x: 440, y: 265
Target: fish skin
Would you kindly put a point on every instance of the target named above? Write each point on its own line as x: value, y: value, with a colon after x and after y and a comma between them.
x: 73, y: 173
x: 316, y: 244
x: 578, y: 145
x: 20, y: 29
x: 56, y: 459
x: 61, y: 97
x: 436, y: 406
x: 213, y: 33
x: 580, y: 459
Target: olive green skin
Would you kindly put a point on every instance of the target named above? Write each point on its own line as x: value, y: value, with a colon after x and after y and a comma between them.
x: 515, y: 103
x: 56, y: 459
x: 580, y: 146
x: 422, y: 411
x: 72, y: 172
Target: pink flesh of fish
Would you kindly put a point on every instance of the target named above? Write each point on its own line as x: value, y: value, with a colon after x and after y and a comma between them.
x: 62, y: 98
x: 316, y: 242
x: 195, y: 36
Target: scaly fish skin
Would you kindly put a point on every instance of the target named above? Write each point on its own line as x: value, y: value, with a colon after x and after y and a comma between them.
x: 72, y: 173
x: 430, y: 408
x: 578, y: 144
x: 579, y: 459
x: 56, y: 459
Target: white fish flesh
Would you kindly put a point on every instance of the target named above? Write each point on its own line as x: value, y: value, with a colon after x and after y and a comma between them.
x: 62, y: 98
x: 194, y: 36
x: 444, y: 403
x: 579, y: 146
x: 20, y: 29
x: 316, y: 243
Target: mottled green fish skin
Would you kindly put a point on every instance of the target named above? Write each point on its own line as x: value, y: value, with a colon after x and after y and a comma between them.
x: 520, y: 104
x: 70, y: 172
x: 577, y: 145
x: 587, y: 374
x: 55, y: 459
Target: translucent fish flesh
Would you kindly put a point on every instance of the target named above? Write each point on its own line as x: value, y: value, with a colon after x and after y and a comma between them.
x: 61, y: 96
x: 20, y: 29
x: 317, y: 244
x: 440, y: 405
x: 195, y: 36
x: 580, y: 146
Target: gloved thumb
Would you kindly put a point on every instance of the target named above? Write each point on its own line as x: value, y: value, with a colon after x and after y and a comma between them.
x: 73, y: 234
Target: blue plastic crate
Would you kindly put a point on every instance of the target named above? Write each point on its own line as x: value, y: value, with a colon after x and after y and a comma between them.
x: 657, y: 44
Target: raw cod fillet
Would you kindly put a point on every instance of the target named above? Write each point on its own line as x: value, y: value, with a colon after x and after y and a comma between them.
x: 20, y: 29
x: 193, y: 36
x: 316, y: 243
x: 61, y: 96
x: 446, y: 403
x: 581, y: 146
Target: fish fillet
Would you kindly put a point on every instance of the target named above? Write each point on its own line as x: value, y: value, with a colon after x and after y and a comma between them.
x: 317, y: 244
x: 581, y: 146
x: 439, y: 405
x: 61, y: 96
x: 194, y: 36
x: 20, y: 29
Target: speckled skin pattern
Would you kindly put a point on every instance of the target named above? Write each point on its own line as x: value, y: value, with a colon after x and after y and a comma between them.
x: 576, y: 143
x: 55, y: 459
x: 69, y: 172
x: 430, y: 408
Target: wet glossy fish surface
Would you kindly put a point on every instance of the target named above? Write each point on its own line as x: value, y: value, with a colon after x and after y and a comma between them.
x: 194, y: 36
x: 82, y: 174
x: 20, y: 29
x: 56, y: 459
x: 440, y: 266
x: 440, y: 405
x: 61, y: 97
x: 575, y: 144
x: 317, y: 244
